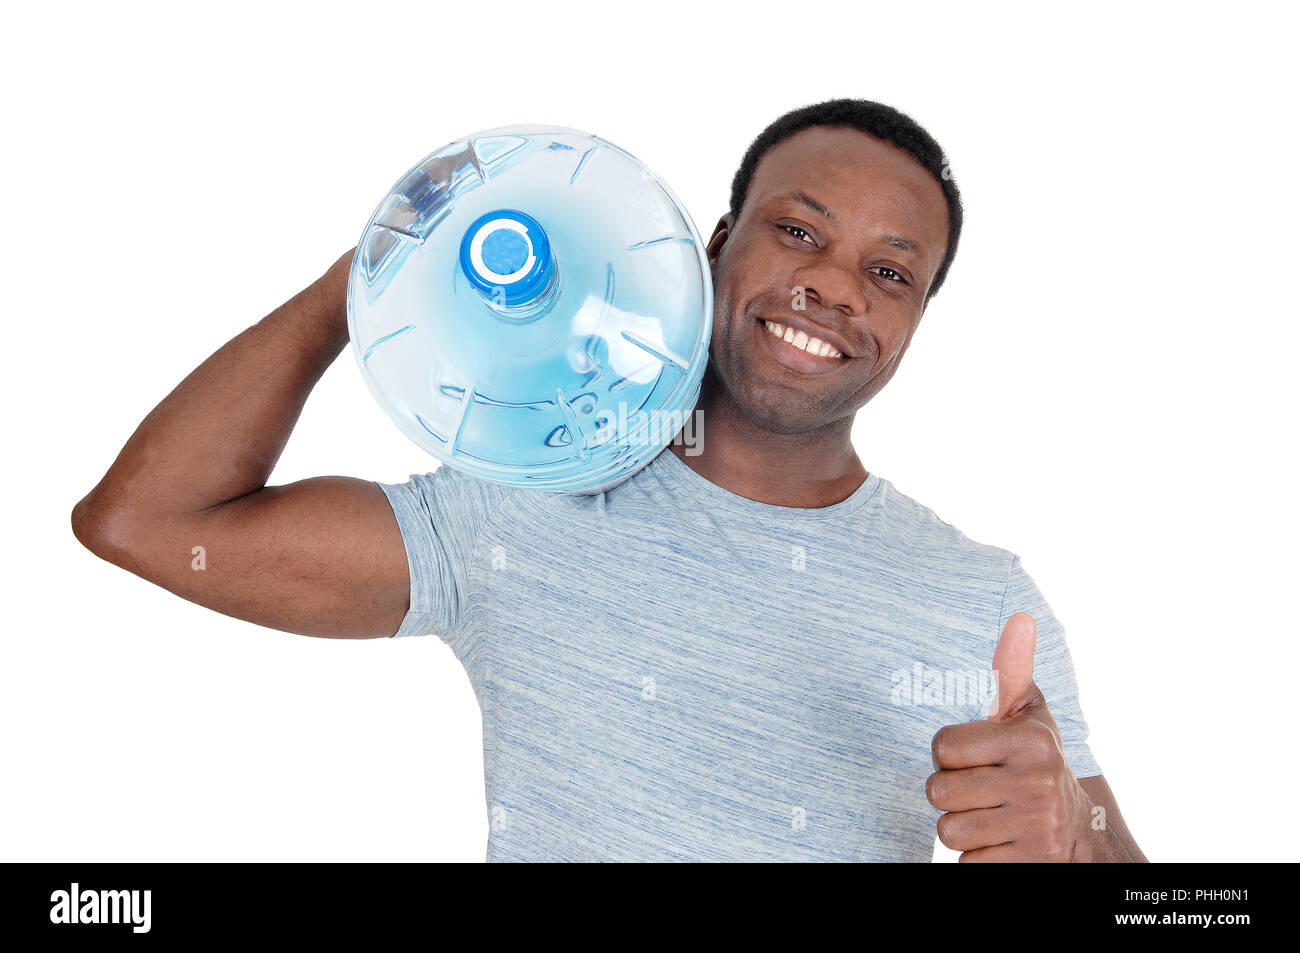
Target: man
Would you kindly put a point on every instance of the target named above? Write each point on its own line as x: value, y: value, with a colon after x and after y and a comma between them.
x: 760, y: 652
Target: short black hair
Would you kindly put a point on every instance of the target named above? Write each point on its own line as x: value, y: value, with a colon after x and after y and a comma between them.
x: 875, y: 119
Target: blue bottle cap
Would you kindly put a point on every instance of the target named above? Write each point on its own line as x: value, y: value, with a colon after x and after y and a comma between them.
x: 506, y: 255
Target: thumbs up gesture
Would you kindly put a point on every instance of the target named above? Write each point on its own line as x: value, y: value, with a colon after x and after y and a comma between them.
x: 1004, y: 783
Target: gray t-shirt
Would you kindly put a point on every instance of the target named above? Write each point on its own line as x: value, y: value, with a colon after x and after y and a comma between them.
x: 668, y: 671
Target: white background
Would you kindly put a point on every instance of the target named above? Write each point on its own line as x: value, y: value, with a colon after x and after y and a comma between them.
x: 1104, y: 386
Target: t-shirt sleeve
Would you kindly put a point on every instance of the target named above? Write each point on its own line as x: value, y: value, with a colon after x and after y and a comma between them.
x: 440, y: 515
x: 1053, y: 669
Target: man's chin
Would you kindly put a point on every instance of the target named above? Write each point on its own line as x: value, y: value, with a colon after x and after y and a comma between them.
x: 771, y: 405
x: 778, y: 414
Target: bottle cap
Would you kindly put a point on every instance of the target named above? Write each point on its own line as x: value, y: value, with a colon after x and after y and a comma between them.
x: 506, y: 255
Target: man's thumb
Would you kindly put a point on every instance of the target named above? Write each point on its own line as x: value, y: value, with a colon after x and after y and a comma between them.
x: 1013, y: 665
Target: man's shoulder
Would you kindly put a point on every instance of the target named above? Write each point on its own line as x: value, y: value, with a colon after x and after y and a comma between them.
x: 916, y: 529
x: 447, y: 489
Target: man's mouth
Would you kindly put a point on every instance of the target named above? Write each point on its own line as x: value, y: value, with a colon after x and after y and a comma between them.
x: 800, y: 340
x: 796, y: 350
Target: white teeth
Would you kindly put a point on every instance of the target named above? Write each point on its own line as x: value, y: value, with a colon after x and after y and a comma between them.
x: 801, y: 340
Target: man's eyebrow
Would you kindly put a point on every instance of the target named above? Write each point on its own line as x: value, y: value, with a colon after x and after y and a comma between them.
x: 901, y: 243
x: 898, y: 241
x: 805, y: 199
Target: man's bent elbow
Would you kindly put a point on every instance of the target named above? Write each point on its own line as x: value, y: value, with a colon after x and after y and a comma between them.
x: 106, y: 531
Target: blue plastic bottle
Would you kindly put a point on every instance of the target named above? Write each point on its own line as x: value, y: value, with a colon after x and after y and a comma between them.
x: 533, y: 306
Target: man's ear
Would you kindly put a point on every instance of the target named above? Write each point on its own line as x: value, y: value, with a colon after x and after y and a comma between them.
x: 721, y: 232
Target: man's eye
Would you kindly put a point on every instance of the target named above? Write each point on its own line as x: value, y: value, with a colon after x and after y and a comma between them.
x: 792, y: 229
x: 896, y: 276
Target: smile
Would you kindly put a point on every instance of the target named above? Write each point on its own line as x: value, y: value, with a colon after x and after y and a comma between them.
x: 802, y: 341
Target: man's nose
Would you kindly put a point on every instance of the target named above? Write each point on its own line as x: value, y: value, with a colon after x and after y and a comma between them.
x: 836, y: 285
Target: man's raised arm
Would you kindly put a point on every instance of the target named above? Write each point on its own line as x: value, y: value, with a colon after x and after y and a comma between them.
x: 320, y: 557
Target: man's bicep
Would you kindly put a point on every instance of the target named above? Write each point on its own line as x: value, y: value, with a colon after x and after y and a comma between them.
x: 320, y: 557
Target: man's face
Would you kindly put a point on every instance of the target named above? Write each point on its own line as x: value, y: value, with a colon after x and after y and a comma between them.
x: 826, y: 212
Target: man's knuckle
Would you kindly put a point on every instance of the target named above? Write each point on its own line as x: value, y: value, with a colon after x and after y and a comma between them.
x: 1044, y: 739
x: 1053, y: 825
x: 1043, y: 784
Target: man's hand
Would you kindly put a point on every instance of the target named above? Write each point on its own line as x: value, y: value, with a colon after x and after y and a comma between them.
x: 1007, y: 789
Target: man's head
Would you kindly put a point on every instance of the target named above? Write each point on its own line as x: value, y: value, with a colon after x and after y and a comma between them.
x: 843, y: 222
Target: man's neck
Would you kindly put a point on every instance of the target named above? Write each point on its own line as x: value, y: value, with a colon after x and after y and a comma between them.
x: 800, y: 470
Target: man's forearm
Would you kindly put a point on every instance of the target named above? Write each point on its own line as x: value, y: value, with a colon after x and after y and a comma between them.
x: 219, y: 433
x: 1105, y: 847
x: 1106, y: 838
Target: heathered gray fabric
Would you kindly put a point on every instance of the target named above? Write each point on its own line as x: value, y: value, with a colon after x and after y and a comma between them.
x: 670, y: 672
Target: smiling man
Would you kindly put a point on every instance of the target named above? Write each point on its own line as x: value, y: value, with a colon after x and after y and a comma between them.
x: 760, y: 652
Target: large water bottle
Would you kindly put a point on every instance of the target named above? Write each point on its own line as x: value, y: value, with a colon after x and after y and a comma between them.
x: 533, y: 306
